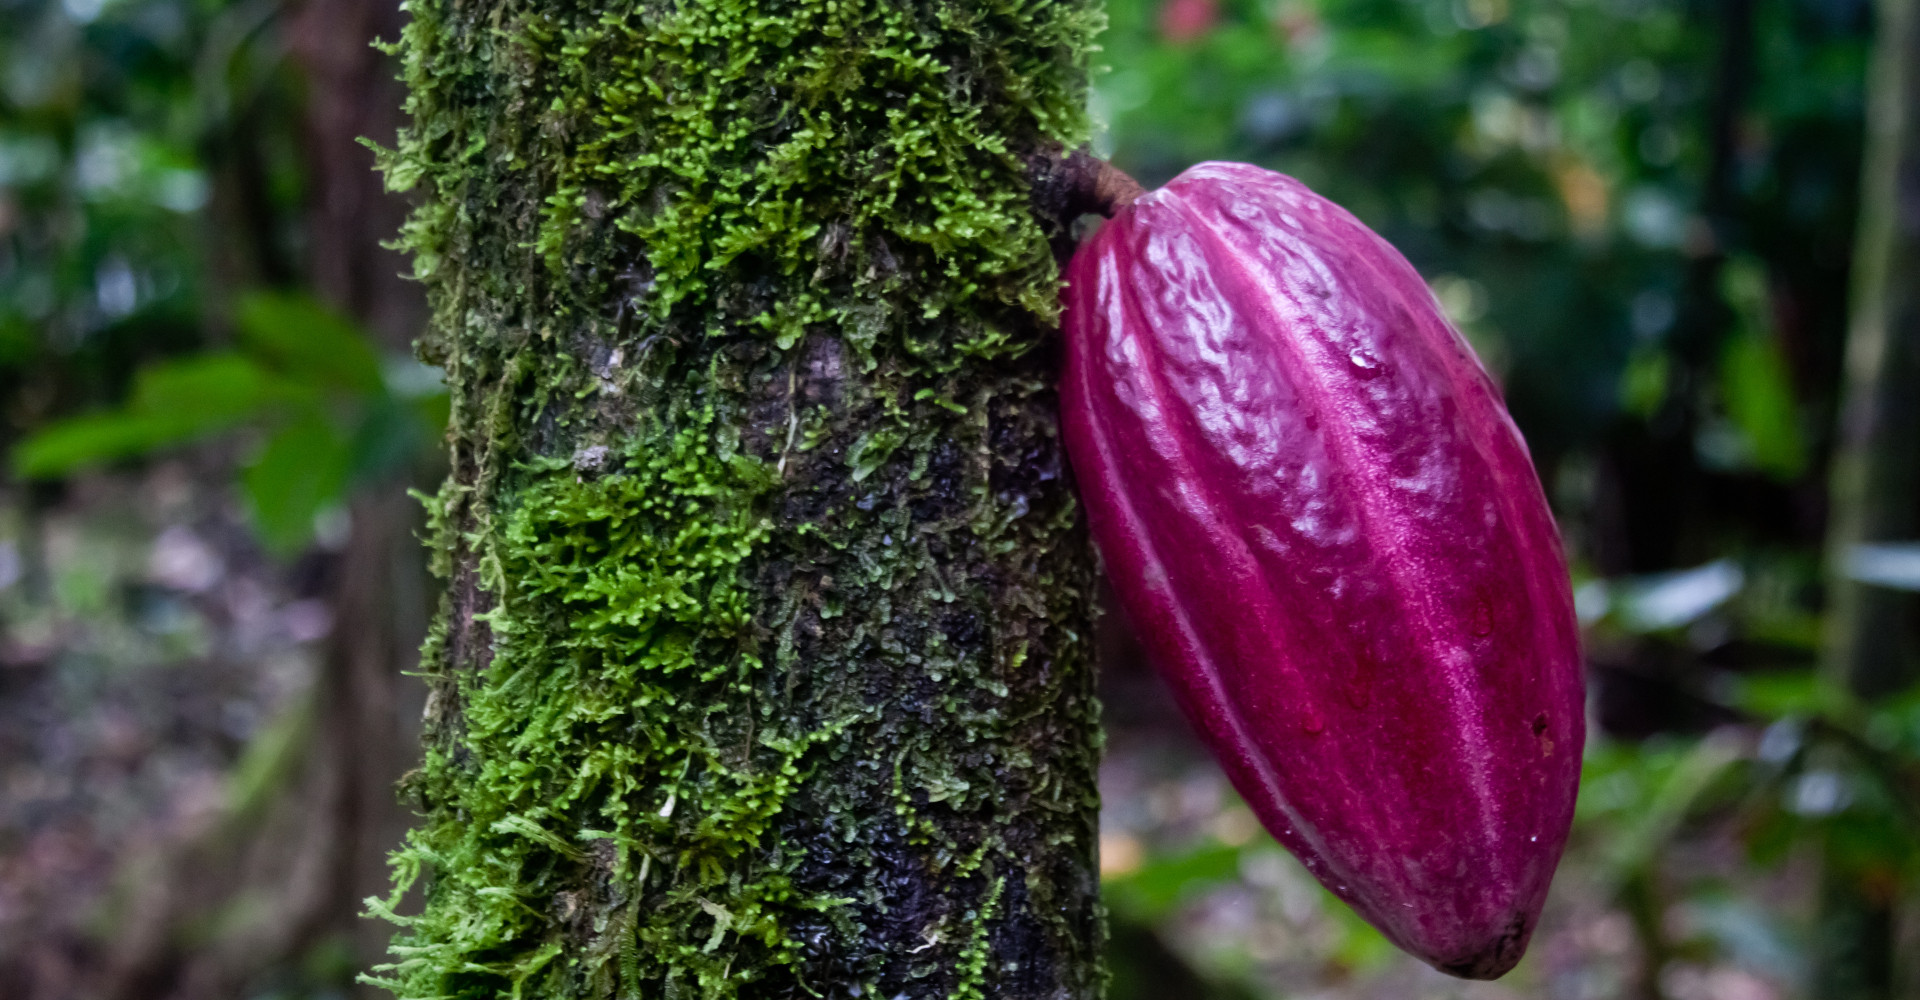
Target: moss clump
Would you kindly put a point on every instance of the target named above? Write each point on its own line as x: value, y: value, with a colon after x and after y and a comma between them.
x: 856, y: 163
x: 602, y: 746
x: 762, y: 670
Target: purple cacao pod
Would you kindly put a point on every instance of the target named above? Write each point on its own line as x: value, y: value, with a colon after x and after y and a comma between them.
x: 1330, y: 537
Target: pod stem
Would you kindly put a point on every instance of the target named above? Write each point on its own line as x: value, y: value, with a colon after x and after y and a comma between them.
x: 1080, y: 183
x: 1113, y: 188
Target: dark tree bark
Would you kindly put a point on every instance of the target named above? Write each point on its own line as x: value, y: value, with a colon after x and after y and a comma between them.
x: 764, y: 666
x: 1873, y: 638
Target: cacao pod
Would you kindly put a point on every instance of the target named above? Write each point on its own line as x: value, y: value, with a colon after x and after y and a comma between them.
x: 1329, y: 535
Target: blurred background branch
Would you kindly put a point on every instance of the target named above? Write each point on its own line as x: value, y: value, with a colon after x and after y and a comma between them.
x: 1873, y: 648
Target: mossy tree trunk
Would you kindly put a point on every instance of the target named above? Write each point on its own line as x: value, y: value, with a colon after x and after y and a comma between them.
x: 1873, y: 640
x: 764, y: 665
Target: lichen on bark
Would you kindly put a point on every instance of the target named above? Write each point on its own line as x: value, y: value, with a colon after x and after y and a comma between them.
x: 763, y: 667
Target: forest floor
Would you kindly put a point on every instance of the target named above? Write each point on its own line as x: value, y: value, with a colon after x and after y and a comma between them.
x: 147, y: 644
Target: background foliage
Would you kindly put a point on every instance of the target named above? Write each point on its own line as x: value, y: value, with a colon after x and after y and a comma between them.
x: 1640, y: 211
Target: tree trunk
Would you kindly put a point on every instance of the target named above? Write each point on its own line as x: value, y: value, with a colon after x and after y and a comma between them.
x: 301, y: 859
x: 369, y: 709
x: 764, y: 667
x: 1873, y: 649
x: 1873, y: 645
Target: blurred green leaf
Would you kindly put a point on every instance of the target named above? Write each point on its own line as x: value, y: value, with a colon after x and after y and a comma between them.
x: 214, y: 390
x: 433, y: 412
x: 1156, y: 887
x: 1867, y: 842
x: 310, y: 343
x: 1643, y: 794
x: 1754, y: 378
x: 1643, y: 384
x: 1760, y: 401
x: 17, y: 341
x: 94, y: 438
x: 1777, y: 694
x: 308, y: 376
x: 172, y: 403
x: 1361, y: 945
x: 303, y: 468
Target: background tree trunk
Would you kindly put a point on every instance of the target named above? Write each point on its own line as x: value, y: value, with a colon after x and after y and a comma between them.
x: 370, y: 710
x: 764, y: 668
x: 304, y: 857
x: 1873, y: 643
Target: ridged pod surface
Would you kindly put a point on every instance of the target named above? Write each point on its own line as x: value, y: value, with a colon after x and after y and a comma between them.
x: 1328, y: 533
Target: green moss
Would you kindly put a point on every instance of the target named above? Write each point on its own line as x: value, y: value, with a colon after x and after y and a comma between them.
x: 762, y: 670
x: 618, y: 658
x: 853, y: 157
